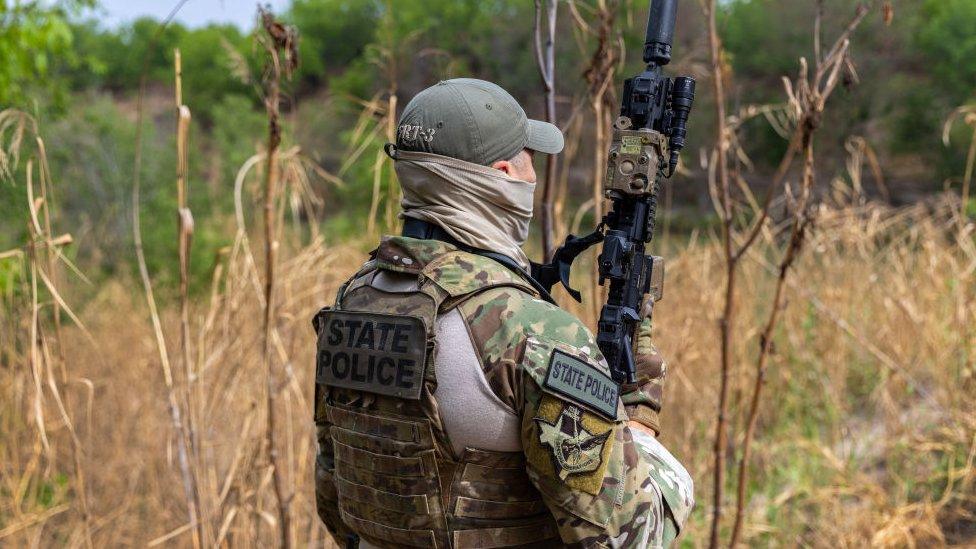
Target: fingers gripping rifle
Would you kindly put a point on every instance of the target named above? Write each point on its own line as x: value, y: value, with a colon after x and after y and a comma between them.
x: 647, y: 138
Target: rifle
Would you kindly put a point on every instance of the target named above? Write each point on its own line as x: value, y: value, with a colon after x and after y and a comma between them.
x: 647, y: 139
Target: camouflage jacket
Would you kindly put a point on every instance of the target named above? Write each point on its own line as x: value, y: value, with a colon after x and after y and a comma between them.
x: 606, y: 485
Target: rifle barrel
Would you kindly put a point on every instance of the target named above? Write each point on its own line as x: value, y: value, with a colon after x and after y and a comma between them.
x: 660, y: 31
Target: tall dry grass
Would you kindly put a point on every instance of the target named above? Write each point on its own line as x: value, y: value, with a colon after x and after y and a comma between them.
x: 866, y: 434
x: 867, y: 438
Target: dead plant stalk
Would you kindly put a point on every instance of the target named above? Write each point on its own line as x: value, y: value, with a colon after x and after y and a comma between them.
x: 545, y: 55
x: 279, y: 39
x: 599, y: 76
x: 807, y: 97
x: 176, y: 414
x: 39, y: 357
x: 967, y: 114
x: 720, y: 163
x: 184, y: 219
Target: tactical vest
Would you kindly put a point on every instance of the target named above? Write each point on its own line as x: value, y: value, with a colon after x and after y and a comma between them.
x: 397, y: 479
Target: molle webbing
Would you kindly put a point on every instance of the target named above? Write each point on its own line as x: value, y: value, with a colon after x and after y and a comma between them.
x: 492, y: 502
x: 397, y: 481
x: 493, y: 486
x: 386, y: 476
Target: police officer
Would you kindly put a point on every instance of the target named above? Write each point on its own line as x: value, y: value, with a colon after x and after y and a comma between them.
x: 456, y: 405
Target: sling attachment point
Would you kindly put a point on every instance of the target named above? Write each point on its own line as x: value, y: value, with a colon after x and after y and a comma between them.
x: 558, y: 270
x: 423, y: 230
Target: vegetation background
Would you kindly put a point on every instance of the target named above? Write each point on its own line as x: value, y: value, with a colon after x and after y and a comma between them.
x: 134, y: 415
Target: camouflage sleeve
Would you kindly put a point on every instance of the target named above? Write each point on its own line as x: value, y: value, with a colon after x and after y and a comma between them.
x: 643, y: 399
x: 605, y: 484
x: 326, y: 497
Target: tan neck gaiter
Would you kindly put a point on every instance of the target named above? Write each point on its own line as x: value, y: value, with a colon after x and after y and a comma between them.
x: 477, y: 205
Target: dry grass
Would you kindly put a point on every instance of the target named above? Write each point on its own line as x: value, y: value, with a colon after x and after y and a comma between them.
x: 122, y: 418
x: 867, y: 417
x: 868, y: 437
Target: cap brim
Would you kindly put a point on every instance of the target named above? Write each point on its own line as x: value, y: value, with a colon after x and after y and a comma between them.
x: 544, y: 137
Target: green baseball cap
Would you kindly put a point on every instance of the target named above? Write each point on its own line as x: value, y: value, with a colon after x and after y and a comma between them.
x: 472, y: 120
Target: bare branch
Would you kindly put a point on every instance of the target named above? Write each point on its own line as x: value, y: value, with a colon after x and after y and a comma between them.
x: 546, y: 59
x: 278, y: 39
x: 809, y: 101
x: 723, y: 193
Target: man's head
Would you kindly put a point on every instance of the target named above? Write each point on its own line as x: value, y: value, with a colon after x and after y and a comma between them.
x: 478, y: 122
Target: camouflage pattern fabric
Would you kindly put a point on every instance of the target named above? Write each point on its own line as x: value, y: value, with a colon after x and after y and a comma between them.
x: 643, y: 400
x: 620, y: 503
x: 605, y: 484
x: 386, y: 469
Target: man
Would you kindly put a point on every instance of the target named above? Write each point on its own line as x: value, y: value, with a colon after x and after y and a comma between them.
x: 455, y: 405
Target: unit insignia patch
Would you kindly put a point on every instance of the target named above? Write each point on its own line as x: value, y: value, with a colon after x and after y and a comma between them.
x: 574, y: 449
x: 573, y: 444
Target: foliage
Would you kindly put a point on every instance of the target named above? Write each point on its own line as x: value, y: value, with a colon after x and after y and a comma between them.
x: 116, y: 59
x: 945, y: 37
x: 34, y: 37
x: 773, y: 52
x: 334, y: 33
x: 911, y: 74
x: 365, y: 47
x: 237, y: 132
x: 90, y: 150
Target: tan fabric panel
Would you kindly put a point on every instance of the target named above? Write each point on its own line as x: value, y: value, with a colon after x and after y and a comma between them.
x: 390, y: 465
x: 386, y: 500
x: 412, y: 538
x: 480, y: 508
x: 376, y: 426
x: 478, y: 205
x: 506, y: 536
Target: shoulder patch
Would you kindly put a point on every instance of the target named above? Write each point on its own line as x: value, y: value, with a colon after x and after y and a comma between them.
x: 372, y: 352
x: 582, y: 384
x: 571, y: 444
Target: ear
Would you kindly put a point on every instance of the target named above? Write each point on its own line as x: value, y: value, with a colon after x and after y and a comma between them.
x: 503, y: 165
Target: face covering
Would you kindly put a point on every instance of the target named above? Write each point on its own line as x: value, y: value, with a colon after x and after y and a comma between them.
x: 479, y: 206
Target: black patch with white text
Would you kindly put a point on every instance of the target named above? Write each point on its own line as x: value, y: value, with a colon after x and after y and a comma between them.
x: 582, y: 383
x: 372, y: 352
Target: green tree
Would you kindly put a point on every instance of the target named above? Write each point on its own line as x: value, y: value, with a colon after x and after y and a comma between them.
x: 947, y: 39
x: 209, y: 54
x: 33, y: 35
x: 333, y: 34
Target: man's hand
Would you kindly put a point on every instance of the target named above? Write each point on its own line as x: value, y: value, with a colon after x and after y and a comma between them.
x: 643, y: 399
